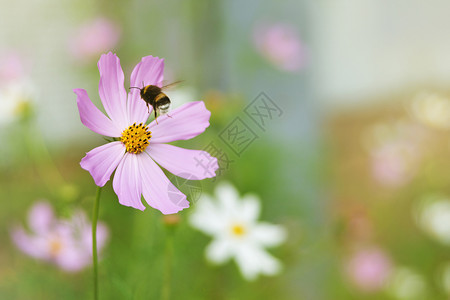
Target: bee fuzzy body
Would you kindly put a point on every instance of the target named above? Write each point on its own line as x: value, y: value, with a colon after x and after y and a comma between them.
x: 154, y: 96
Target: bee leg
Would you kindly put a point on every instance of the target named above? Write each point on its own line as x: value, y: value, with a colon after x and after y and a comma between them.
x: 148, y: 108
x: 156, y: 118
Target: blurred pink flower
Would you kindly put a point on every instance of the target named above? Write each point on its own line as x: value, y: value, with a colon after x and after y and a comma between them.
x: 12, y: 67
x: 138, y: 146
x: 66, y: 243
x: 368, y: 269
x: 391, y: 163
x: 395, y: 150
x: 280, y: 45
x: 94, y: 37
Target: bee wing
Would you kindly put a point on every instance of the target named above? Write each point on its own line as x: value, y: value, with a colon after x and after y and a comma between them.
x: 170, y: 85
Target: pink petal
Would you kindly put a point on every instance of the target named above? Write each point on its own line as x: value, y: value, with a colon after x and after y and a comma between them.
x: 93, y: 38
x: 219, y: 250
x: 189, y: 164
x: 73, y: 259
x: 102, y: 236
x: 86, y: 237
x: 29, y: 245
x: 148, y: 71
x: 92, y: 117
x: 183, y: 123
x: 41, y: 218
x: 158, y: 191
x: 111, y: 89
x: 208, y: 217
x: 127, y: 182
x: 80, y: 224
x: 102, y: 161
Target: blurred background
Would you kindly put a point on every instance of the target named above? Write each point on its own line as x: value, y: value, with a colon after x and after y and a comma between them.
x: 347, y: 114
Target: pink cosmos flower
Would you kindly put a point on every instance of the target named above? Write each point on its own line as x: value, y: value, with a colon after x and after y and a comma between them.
x: 138, y: 147
x: 395, y: 150
x: 369, y: 269
x: 94, y: 37
x: 12, y: 67
x: 66, y: 243
x: 280, y: 45
x: 394, y: 162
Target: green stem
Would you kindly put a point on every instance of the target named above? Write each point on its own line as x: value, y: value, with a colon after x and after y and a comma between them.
x: 165, y: 294
x: 94, y: 241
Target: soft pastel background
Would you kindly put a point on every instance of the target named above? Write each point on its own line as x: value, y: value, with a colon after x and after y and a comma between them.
x: 356, y: 167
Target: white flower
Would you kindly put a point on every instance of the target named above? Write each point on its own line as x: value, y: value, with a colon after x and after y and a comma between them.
x: 432, y: 110
x: 13, y: 99
x: 16, y: 88
x: 407, y: 284
x: 434, y: 218
x: 236, y: 233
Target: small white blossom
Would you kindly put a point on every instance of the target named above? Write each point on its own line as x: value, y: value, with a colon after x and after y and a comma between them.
x: 232, y: 223
x: 406, y: 284
x: 13, y: 99
x: 16, y: 87
x: 432, y: 110
x: 434, y: 218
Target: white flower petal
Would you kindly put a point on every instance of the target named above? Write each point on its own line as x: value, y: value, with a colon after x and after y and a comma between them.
x: 435, y: 220
x: 233, y: 225
x: 219, y: 251
x: 207, y: 217
x: 268, y: 235
x: 253, y: 261
x: 250, y: 208
x: 228, y: 197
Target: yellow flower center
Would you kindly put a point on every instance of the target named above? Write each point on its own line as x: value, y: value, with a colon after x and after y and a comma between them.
x: 136, y: 138
x: 238, y: 230
x: 55, y: 247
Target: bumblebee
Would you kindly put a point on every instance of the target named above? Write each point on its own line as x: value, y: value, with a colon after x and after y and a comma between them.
x: 153, y: 95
